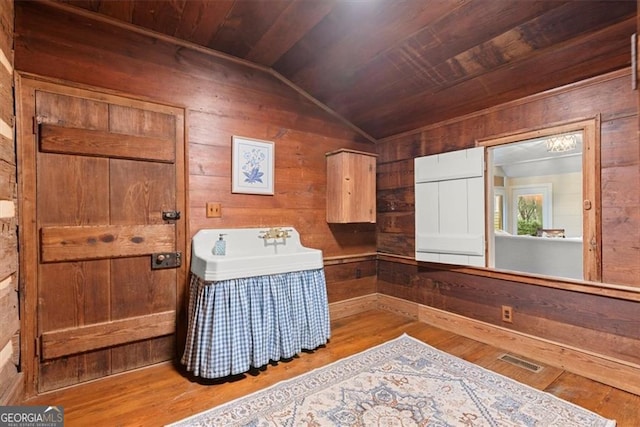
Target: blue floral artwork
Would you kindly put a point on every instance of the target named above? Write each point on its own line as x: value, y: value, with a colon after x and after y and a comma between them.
x: 252, y: 166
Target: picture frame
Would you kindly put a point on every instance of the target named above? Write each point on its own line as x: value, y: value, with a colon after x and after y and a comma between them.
x: 252, y: 166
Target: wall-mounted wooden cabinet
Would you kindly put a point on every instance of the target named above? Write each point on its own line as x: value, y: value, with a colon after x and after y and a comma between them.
x: 351, y: 186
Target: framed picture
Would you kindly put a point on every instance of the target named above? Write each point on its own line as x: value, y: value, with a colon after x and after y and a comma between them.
x: 252, y: 166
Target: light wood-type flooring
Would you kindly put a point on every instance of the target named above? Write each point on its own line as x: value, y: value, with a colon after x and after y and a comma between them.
x: 161, y: 394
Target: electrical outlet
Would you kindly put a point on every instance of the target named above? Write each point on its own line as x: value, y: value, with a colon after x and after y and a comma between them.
x: 507, y: 314
x: 214, y: 210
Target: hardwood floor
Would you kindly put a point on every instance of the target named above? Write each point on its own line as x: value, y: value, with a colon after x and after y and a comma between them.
x: 161, y: 394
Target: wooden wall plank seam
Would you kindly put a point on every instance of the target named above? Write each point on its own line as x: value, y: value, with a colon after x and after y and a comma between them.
x: 11, y: 381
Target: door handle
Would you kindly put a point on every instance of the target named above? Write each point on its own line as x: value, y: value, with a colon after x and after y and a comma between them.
x: 170, y: 215
x: 166, y: 260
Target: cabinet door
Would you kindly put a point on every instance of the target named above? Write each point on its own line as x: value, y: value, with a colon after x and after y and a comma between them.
x: 351, y: 187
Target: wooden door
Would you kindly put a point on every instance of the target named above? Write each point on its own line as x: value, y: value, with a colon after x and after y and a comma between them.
x: 99, y: 171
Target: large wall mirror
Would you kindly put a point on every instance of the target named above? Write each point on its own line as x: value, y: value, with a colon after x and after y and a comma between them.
x: 543, y: 202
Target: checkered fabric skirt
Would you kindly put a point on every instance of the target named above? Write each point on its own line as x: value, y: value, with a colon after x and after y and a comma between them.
x: 242, y: 323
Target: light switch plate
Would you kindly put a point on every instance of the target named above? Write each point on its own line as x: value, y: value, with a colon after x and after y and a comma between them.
x: 214, y: 210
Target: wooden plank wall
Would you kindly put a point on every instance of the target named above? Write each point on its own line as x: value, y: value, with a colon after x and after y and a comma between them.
x: 222, y: 97
x: 592, y: 321
x: 10, y: 379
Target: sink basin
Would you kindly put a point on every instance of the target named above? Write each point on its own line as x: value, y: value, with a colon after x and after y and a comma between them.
x: 249, y: 255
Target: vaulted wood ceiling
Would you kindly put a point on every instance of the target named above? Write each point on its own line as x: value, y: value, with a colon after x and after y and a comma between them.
x: 390, y: 66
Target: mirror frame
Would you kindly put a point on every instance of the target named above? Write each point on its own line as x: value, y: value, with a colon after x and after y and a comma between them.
x: 592, y: 206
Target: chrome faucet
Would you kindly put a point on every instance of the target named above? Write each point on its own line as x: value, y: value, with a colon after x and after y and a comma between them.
x: 275, y: 233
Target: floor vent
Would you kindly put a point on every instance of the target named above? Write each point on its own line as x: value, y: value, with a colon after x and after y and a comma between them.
x: 515, y: 360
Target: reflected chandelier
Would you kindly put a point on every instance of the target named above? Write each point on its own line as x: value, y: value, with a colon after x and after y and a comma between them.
x: 562, y: 143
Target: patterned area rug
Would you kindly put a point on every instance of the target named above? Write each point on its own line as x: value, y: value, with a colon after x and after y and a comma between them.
x: 403, y: 382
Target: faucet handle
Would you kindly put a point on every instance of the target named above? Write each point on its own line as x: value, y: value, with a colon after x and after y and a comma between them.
x: 269, y: 234
x: 275, y: 233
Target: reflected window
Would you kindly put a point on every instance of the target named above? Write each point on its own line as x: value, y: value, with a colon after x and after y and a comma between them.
x: 499, y: 202
x: 529, y: 214
x: 532, y: 209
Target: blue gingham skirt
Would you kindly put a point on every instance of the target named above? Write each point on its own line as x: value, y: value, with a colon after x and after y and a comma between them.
x: 242, y: 323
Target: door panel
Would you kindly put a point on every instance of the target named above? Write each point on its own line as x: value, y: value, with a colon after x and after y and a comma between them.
x: 80, y: 287
x: 449, y: 191
x: 87, y: 176
x: 105, y: 168
x: 140, y: 191
x: 72, y: 369
x: 127, y: 357
x: 71, y: 111
x: 136, y: 290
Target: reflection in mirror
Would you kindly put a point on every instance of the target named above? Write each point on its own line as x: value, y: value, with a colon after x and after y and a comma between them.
x: 537, y: 196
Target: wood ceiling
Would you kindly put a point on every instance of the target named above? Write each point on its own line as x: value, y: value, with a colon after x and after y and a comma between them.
x: 390, y: 66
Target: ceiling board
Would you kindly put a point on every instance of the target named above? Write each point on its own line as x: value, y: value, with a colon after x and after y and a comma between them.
x: 200, y: 20
x: 287, y: 30
x: 390, y: 67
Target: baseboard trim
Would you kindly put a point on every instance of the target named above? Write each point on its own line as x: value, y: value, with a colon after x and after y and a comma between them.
x: 614, y: 372
x: 349, y: 307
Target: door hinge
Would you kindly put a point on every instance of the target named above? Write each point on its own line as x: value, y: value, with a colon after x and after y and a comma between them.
x: 38, y: 345
x: 35, y: 125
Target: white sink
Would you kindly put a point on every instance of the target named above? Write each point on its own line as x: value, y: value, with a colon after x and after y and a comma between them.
x: 249, y: 255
